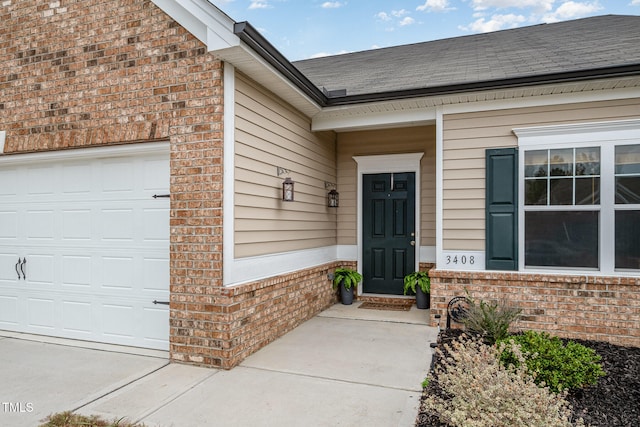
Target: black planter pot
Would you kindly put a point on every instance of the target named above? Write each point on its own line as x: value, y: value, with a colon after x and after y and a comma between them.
x: 423, y: 301
x: 346, y: 295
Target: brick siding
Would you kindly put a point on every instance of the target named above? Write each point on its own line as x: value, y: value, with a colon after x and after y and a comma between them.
x: 222, y: 329
x: 578, y: 307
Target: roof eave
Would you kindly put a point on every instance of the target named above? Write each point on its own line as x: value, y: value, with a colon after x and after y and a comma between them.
x: 252, y: 38
x: 535, y: 80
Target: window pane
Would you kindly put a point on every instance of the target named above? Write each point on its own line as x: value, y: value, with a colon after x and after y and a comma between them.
x: 561, y: 239
x: 587, y: 191
x: 535, y: 163
x: 535, y: 192
x: 627, y: 190
x: 561, y: 191
x: 561, y: 162
x: 628, y: 239
x: 628, y: 159
x: 587, y: 161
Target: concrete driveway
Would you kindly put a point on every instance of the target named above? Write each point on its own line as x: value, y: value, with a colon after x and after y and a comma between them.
x: 345, y: 367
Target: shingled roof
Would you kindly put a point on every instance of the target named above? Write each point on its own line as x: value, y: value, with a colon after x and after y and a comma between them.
x: 585, y: 48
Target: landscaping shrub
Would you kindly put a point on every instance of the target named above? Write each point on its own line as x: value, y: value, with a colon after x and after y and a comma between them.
x: 69, y: 419
x: 479, y: 391
x: 549, y: 361
x: 491, y: 320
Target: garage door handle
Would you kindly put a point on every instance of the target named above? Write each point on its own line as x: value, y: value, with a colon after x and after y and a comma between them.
x: 24, y: 263
x: 161, y: 302
x: 21, y: 263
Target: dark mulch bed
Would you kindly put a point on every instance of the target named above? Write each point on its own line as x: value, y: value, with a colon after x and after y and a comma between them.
x: 614, y: 401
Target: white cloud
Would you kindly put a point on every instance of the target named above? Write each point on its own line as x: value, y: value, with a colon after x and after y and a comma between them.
x: 572, y: 10
x: 407, y: 21
x: 331, y: 5
x: 436, y: 6
x: 399, y: 13
x: 538, y: 6
x: 259, y: 5
x: 497, y: 22
x: 383, y: 16
x: 635, y: 3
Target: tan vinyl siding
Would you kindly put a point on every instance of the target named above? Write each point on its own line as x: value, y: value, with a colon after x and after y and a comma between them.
x: 388, y: 141
x: 271, y: 134
x: 467, y: 136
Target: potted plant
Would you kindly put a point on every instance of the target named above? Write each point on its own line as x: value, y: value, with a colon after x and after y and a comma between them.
x: 346, y: 279
x: 418, y: 283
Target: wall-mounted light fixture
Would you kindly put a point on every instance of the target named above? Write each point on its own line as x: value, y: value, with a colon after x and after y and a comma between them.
x: 333, y: 197
x: 287, y: 185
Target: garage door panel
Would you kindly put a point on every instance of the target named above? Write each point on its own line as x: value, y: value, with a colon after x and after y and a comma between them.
x: 9, y: 184
x: 155, y: 222
x: 156, y: 276
x: 76, y: 224
x: 117, y: 176
x: 42, y: 180
x: 152, y: 317
x: 39, y: 270
x: 41, y: 314
x: 8, y: 226
x: 40, y: 224
x: 76, y: 178
x: 117, y: 224
x: 96, y: 245
x: 118, y: 273
x: 77, y: 272
x: 77, y: 318
x: 153, y: 178
x: 9, y: 309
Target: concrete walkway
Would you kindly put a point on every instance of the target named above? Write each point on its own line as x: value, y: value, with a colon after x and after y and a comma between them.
x: 345, y: 367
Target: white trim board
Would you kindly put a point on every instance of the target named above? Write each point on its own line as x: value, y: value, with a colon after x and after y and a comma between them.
x: 86, y: 152
x: 228, y: 195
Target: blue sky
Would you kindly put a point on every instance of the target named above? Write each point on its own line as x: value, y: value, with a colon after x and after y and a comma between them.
x: 303, y: 29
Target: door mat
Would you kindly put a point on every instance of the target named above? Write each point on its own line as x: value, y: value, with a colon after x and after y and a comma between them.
x: 404, y: 306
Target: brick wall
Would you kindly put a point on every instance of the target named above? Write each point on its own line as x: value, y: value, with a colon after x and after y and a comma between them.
x: 222, y: 329
x: 580, y: 307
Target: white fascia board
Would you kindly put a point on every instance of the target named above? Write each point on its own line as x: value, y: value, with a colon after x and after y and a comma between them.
x: 202, y: 19
x: 543, y: 100
x: 353, y: 118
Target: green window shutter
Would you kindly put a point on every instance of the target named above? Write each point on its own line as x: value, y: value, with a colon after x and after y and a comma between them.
x: 501, y: 243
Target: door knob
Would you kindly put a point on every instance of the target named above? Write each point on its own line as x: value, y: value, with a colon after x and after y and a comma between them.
x: 413, y: 243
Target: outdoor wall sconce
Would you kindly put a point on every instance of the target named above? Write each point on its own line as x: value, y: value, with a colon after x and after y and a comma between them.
x: 287, y: 185
x: 333, y: 198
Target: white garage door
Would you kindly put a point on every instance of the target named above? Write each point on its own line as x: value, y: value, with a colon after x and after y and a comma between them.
x: 84, y: 245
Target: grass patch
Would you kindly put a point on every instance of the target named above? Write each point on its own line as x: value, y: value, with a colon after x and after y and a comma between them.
x: 69, y: 419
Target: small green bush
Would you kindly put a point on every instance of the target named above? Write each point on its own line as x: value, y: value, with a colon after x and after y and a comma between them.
x: 478, y: 391
x: 491, y: 320
x: 549, y: 361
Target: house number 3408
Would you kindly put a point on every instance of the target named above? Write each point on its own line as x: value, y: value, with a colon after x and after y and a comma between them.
x: 460, y: 259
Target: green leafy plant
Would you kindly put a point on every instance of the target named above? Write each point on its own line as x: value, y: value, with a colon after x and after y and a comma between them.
x: 417, y: 278
x: 551, y: 362
x: 478, y: 391
x: 492, y: 320
x: 346, y: 276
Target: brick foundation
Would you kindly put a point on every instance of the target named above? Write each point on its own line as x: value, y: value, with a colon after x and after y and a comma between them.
x: 579, y: 307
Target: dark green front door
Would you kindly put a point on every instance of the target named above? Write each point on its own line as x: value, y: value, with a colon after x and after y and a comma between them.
x: 388, y: 234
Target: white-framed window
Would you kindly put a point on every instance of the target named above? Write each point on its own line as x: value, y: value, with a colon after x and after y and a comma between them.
x: 579, y: 201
